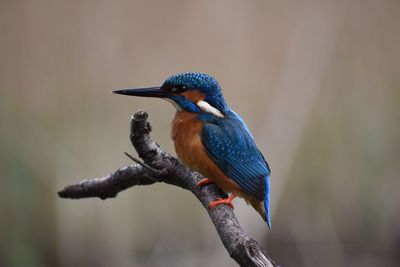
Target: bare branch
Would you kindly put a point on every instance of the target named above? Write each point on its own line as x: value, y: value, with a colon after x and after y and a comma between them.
x: 159, y: 166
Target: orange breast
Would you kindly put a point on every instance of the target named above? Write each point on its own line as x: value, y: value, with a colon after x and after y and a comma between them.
x: 186, y: 130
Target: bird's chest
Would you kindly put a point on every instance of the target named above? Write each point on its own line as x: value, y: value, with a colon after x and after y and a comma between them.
x: 186, y: 130
x: 186, y: 133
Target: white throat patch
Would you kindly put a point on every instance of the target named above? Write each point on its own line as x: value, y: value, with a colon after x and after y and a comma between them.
x: 178, y: 108
x: 204, y: 106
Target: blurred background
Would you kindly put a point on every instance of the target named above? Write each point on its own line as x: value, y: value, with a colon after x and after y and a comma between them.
x: 318, y: 83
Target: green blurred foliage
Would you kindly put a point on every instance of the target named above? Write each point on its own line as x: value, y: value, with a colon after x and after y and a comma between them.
x: 334, y: 151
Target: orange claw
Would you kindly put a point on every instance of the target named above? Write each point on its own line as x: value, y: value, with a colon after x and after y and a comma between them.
x: 204, y: 182
x: 219, y: 201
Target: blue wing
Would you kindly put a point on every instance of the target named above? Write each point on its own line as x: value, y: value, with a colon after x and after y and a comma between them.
x: 229, y: 143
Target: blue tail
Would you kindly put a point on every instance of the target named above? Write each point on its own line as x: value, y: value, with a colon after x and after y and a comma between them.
x: 266, y: 202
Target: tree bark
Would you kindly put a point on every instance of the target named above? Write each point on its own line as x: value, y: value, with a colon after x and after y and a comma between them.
x: 159, y: 166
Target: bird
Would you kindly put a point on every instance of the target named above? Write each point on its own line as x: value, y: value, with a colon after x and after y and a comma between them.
x: 212, y: 139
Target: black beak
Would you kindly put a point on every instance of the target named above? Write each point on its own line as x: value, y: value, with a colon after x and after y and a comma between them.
x: 145, y: 92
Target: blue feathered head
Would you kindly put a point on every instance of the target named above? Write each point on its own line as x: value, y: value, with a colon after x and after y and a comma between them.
x: 186, y: 90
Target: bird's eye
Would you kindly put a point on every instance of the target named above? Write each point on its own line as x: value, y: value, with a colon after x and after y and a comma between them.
x: 174, y: 90
x: 178, y: 89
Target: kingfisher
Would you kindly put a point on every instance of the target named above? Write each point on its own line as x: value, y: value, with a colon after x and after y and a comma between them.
x: 212, y: 139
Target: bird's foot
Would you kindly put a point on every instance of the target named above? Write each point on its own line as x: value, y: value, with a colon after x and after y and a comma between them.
x: 204, y: 182
x: 219, y: 201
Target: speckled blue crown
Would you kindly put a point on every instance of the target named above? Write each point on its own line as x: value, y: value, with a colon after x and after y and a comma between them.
x: 195, y: 80
x: 203, y: 82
